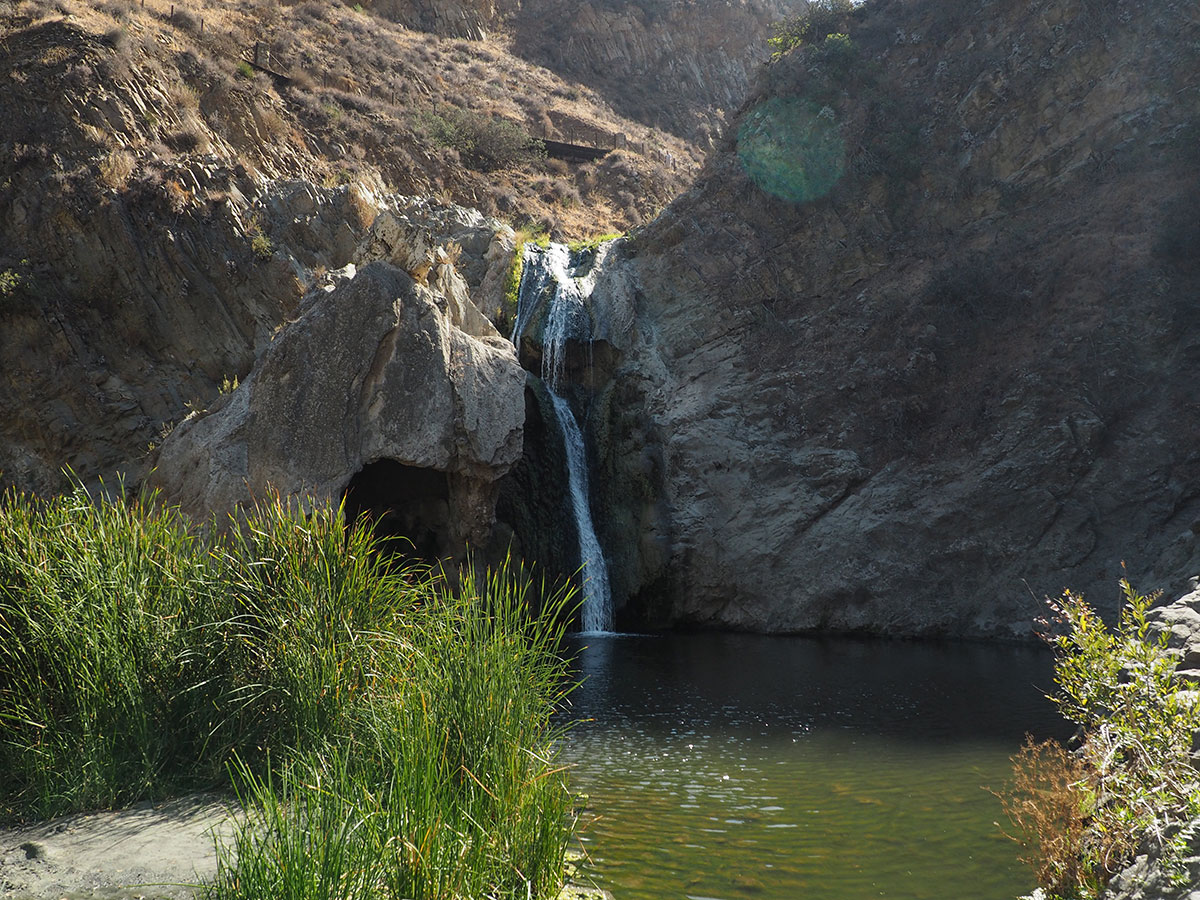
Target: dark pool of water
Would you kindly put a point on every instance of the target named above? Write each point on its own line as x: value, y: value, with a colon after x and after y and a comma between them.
x: 733, y: 766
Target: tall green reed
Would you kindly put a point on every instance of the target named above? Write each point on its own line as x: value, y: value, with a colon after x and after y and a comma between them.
x: 449, y: 785
x: 387, y: 725
x: 92, y: 596
x: 292, y: 646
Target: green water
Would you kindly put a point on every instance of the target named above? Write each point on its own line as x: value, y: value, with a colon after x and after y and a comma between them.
x: 723, y: 766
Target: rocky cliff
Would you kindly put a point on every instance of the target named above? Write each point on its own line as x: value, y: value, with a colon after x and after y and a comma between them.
x: 917, y: 349
x: 913, y: 351
x: 164, y: 206
x: 677, y: 64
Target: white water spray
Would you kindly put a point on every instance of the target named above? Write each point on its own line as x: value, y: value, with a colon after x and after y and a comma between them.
x: 597, y: 612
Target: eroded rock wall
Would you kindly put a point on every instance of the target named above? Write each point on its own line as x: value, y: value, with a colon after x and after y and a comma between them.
x: 959, y: 381
x: 379, y: 368
x: 679, y: 64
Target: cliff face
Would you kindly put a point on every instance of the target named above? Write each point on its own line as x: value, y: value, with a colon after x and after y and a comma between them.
x: 919, y: 346
x: 914, y: 350
x: 677, y: 64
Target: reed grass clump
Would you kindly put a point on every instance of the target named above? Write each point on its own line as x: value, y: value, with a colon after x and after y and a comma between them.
x: 449, y: 788
x: 387, y: 727
x: 92, y: 651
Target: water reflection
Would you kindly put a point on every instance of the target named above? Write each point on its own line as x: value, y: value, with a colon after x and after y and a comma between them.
x: 732, y: 766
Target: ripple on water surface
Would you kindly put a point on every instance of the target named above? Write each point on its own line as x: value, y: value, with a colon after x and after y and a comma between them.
x: 726, y: 767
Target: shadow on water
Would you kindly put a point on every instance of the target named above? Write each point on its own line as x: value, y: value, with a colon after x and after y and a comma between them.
x: 726, y: 766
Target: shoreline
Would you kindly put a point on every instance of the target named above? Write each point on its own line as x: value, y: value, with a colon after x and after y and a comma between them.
x: 152, y: 851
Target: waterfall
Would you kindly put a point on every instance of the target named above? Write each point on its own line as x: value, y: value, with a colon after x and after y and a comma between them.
x: 597, y: 612
x: 547, y: 275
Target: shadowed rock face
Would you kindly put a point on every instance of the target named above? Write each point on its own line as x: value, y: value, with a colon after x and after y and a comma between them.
x: 377, y: 369
x: 960, y: 380
x: 677, y: 64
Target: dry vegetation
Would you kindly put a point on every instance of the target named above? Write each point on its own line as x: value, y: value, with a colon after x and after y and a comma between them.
x: 364, y: 99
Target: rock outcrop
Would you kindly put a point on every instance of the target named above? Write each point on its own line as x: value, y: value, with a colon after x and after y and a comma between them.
x: 378, y: 368
x: 1181, y: 620
x: 917, y: 349
x: 1146, y: 879
x: 472, y: 19
x: 675, y: 64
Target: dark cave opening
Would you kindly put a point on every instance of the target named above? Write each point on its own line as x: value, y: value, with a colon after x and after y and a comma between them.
x: 410, y: 504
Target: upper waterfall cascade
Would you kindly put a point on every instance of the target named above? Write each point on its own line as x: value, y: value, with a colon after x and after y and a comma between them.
x: 550, y: 293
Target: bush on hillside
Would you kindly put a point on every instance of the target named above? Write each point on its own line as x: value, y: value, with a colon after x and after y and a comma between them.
x: 819, y: 20
x: 485, y: 143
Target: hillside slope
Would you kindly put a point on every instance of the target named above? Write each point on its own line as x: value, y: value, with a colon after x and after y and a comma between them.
x: 679, y: 65
x: 148, y: 239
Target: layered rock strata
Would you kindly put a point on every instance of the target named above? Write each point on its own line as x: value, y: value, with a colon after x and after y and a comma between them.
x: 378, y: 368
x: 951, y: 381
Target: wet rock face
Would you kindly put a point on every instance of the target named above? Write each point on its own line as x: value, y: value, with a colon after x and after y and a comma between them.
x: 533, y: 511
x: 376, y: 369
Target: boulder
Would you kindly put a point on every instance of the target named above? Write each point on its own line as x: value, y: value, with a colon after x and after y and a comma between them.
x: 378, y: 368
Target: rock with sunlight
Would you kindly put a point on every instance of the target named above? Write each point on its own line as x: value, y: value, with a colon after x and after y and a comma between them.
x: 379, y: 368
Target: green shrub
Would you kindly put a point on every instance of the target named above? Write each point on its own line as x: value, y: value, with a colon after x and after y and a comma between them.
x: 10, y: 282
x: 485, y: 143
x: 1132, y: 782
x: 261, y: 246
x: 820, y: 19
x: 593, y: 242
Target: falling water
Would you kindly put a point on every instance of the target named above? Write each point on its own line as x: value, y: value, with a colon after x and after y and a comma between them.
x: 566, y: 317
x: 597, y: 599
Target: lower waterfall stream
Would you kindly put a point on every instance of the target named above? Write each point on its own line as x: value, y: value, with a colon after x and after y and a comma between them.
x: 596, y: 614
x: 547, y: 275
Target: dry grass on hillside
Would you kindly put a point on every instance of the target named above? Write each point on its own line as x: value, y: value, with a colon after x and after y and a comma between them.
x: 364, y: 99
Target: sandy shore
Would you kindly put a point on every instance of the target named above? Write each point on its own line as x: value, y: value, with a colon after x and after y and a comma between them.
x: 149, y: 852
x: 160, y: 850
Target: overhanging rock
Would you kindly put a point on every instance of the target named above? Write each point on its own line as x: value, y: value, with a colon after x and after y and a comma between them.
x: 379, y: 368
